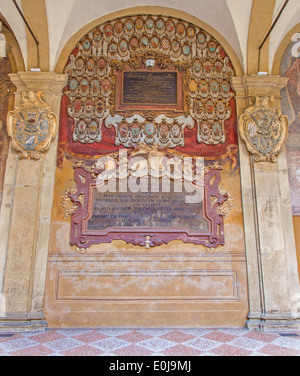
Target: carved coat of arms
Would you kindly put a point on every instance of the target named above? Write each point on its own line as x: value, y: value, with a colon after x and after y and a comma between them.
x: 32, y: 126
x: 264, y: 129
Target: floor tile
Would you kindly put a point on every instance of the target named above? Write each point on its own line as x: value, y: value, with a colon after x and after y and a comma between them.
x: 234, y: 331
x: 84, y: 350
x: 6, y: 337
x: 273, y: 350
x: 110, y: 344
x: 261, y: 336
x: 70, y: 332
x: 202, y: 344
x: 132, y: 350
x: 17, y: 344
x: 39, y: 350
x: 288, y: 342
x: 227, y: 350
x: 113, y: 332
x: 134, y: 337
x: 182, y: 350
x: 156, y: 331
x: 156, y: 344
x: 196, y: 331
x: 177, y: 336
x: 219, y: 336
x: 47, y: 337
x: 63, y: 344
x: 149, y: 342
x: 247, y: 343
x: 90, y: 337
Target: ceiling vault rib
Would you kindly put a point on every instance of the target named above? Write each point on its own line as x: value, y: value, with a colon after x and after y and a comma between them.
x: 271, y: 29
x: 274, y: 24
x: 30, y: 30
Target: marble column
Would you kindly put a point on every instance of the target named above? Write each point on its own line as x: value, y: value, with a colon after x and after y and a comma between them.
x: 273, y: 279
x: 25, y: 217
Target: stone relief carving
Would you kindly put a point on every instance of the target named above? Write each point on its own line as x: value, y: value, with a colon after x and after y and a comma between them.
x: 32, y: 126
x: 264, y: 129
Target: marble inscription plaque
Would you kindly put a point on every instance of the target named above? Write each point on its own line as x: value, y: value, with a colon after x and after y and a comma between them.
x: 148, y: 209
x: 150, y: 88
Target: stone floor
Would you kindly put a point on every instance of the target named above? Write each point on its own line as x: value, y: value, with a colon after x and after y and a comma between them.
x: 149, y: 342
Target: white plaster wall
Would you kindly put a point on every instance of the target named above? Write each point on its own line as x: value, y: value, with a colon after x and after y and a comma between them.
x: 241, y: 14
x: 57, y: 21
x: 66, y: 17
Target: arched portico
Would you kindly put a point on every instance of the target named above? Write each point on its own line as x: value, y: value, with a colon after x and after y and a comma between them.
x: 36, y: 196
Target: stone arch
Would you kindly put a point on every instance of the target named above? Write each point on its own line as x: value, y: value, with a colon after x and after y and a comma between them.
x: 14, y: 53
x: 155, y: 11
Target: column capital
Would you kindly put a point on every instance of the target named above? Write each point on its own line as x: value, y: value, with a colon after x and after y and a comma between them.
x: 47, y: 82
x: 254, y: 86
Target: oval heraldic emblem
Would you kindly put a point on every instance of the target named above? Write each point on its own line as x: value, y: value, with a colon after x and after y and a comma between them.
x: 32, y: 126
x: 264, y: 129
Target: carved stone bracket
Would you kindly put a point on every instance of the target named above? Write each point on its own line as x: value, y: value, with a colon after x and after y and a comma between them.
x: 264, y: 129
x: 32, y: 125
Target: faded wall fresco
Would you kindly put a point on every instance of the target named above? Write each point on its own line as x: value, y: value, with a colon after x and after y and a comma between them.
x: 290, y: 67
x: 5, y: 104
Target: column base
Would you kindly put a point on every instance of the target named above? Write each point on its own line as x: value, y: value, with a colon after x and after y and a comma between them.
x: 273, y: 322
x: 23, y: 322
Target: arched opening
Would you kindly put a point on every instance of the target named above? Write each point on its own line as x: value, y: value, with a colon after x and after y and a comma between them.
x: 155, y: 90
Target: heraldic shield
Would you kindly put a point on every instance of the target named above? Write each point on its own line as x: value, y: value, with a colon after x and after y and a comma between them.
x: 264, y: 129
x: 32, y: 126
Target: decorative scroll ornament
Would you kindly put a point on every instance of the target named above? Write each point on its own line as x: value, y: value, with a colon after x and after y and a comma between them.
x: 264, y: 129
x: 163, y: 131
x: 32, y: 126
x: 66, y: 203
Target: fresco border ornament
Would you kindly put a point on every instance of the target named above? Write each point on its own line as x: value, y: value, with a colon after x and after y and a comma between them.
x: 32, y: 126
x: 264, y: 129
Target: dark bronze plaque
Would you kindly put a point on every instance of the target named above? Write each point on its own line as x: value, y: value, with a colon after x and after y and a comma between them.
x: 147, y: 209
x: 150, y: 88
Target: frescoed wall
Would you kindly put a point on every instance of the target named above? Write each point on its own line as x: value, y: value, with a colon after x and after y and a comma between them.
x: 290, y: 67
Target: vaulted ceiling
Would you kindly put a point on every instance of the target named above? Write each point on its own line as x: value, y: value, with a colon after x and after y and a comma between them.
x: 241, y: 25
